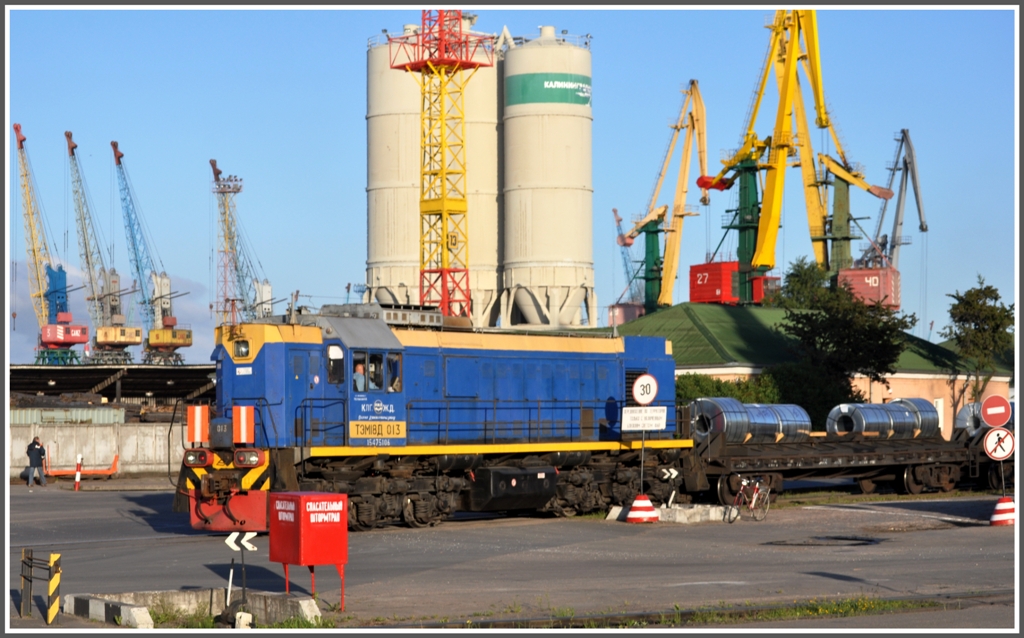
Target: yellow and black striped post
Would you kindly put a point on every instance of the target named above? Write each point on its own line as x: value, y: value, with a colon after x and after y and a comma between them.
x: 53, y: 589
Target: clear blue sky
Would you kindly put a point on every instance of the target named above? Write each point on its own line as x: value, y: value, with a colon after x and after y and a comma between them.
x: 278, y: 97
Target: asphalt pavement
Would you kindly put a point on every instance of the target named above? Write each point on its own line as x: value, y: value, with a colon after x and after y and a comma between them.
x: 119, y: 535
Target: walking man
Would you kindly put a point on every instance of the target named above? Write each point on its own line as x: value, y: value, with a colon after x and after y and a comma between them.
x: 36, y: 453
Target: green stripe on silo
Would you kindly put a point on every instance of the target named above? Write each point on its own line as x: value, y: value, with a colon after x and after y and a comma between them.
x: 541, y: 88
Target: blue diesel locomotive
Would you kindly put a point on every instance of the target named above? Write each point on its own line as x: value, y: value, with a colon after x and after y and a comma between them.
x: 416, y: 416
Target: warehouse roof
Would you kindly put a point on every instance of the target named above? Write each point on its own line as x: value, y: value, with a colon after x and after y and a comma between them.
x: 713, y: 335
x: 136, y: 380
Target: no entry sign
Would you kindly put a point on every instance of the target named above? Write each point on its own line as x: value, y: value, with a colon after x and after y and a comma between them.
x: 995, y: 411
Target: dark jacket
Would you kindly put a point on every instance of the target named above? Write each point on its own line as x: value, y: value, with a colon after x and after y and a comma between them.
x: 35, y: 453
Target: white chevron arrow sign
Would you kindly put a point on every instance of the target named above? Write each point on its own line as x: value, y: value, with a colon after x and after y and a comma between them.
x: 669, y: 473
x: 230, y: 541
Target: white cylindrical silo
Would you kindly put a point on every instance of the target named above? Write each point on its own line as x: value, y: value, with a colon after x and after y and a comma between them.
x: 484, y: 202
x: 548, y: 266
x: 392, y: 178
x: 393, y: 182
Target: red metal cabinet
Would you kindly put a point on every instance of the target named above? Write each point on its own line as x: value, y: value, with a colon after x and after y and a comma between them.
x: 308, y: 528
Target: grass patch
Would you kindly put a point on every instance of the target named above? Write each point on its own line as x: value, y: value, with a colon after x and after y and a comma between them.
x: 302, y: 623
x: 811, y: 609
x: 592, y: 516
x: 831, y: 497
x: 166, y: 616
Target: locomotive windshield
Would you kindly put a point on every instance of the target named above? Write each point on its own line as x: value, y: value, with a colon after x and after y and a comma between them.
x: 335, y: 365
x: 394, y: 372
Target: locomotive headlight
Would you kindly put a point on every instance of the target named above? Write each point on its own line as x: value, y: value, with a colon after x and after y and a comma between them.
x: 197, y: 458
x: 248, y: 458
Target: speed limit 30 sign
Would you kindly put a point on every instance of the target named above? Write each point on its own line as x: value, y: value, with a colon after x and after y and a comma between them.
x: 645, y: 388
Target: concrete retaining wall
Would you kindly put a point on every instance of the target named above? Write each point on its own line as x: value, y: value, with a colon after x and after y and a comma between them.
x: 142, y: 448
x: 135, y: 608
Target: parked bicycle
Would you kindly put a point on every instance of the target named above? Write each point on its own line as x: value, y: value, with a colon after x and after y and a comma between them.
x: 753, y: 496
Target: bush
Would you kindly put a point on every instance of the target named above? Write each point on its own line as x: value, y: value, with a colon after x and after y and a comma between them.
x: 760, y: 389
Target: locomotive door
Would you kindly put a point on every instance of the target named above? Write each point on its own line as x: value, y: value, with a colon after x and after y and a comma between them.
x: 313, y: 416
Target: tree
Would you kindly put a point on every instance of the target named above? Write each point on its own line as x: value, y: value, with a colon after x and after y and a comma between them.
x: 803, y: 285
x: 981, y: 330
x: 805, y: 385
x: 843, y: 336
x: 838, y: 337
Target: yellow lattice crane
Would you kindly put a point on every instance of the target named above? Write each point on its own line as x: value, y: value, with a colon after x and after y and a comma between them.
x: 437, y: 57
x: 660, y: 270
x: 47, y: 279
x: 758, y: 220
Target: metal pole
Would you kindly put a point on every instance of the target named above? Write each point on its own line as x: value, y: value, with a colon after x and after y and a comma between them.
x: 231, y: 576
x: 1002, y: 478
x: 244, y: 598
x: 643, y: 439
x: 26, y: 583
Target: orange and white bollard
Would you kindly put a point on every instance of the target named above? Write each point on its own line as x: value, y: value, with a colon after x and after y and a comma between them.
x: 1004, y: 513
x: 642, y: 511
x: 78, y: 472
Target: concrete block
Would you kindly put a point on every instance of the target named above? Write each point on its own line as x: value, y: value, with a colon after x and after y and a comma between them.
x: 676, y: 514
x: 243, y: 620
x: 135, y: 616
x: 133, y: 607
x: 108, y: 611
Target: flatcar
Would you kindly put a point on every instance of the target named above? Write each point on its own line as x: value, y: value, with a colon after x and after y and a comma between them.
x: 415, y: 416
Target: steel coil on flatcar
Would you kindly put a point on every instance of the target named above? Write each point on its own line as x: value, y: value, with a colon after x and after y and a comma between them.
x: 768, y: 421
x: 925, y: 414
x: 969, y: 418
x: 858, y: 418
x: 719, y: 414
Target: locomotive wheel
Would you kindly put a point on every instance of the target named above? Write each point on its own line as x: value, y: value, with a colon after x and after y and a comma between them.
x: 867, y: 486
x: 409, y: 515
x: 363, y: 525
x: 911, y: 484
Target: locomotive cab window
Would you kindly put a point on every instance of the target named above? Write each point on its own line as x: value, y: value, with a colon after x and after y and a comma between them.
x: 335, y: 364
x: 242, y: 349
x: 359, y: 371
x: 394, y: 372
x: 375, y: 371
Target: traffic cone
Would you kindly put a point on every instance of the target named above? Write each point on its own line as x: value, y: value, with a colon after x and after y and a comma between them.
x: 1003, y: 514
x: 642, y: 511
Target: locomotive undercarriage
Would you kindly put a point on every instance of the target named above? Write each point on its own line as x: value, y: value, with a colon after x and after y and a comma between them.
x: 421, y: 491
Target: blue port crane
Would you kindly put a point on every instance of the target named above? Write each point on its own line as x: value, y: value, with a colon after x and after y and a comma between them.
x: 633, y: 293
x: 153, y: 288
